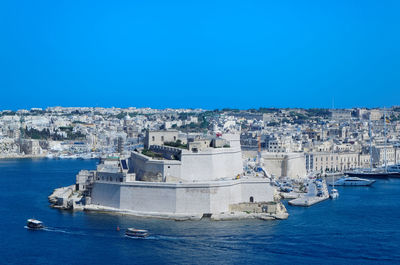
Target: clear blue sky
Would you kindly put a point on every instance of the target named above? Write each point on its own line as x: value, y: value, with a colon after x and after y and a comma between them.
x: 208, y: 54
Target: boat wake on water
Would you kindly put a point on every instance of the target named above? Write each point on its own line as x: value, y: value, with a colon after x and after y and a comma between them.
x: 156, y: 238
x: 58, y: 230
x: 104, y: 234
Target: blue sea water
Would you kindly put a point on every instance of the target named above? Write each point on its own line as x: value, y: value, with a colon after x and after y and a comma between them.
x: 361, y: 227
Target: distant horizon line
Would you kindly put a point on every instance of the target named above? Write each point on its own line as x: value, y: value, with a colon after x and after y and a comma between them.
x: 206, y: 109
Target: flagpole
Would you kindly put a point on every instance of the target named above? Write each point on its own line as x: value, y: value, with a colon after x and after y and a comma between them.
x: 384, y: 131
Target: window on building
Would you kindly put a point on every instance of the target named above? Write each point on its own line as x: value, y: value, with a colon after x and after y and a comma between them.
x: 162, y: 138
x: 153, y: 138
x: 251, y: 199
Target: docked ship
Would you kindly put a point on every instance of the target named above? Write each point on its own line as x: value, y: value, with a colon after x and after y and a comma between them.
x: 394, y: 168
x: 334, y: 194
x: 373, y: 173
x: 353, y: 181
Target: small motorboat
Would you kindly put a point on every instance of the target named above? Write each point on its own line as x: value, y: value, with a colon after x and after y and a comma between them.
x: 334, y: 194
x: 34, y: 224
x: 137, y: 233
x: 286, y: 189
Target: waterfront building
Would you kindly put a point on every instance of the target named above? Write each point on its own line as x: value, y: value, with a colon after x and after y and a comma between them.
x: 205, y: 177
x: 392, y: 155
x: 30, y: 147
x: 333, y: 162
x: 287, y: 164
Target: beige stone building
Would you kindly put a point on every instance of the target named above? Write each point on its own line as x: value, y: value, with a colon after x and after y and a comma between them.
x: 378, y: 155
x: 375, y: 114
x: 329, y: 162
x: 159, y: 137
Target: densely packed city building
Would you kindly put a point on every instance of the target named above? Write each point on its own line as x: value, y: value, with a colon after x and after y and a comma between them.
x: 326, y: 140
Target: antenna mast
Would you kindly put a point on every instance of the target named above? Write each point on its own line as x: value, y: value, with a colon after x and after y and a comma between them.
x: 370, y: 142
x: 384, y: 133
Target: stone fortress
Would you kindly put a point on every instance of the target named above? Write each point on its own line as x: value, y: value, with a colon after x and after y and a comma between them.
x: 176, y: 176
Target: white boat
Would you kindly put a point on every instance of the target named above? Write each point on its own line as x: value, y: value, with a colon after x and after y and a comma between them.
x: 137, y: 233
x: 334, y: 194
x: 394, y: 168
x: 86, y: 156
x: 34, y: 224
x: 352, y: 181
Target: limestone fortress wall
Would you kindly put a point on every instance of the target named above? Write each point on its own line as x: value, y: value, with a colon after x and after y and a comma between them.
x: 185, y: 198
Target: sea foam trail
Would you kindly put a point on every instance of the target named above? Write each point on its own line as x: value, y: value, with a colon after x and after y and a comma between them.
x: 161, y: 237
x: 57, y: 230
x: 118, y: 234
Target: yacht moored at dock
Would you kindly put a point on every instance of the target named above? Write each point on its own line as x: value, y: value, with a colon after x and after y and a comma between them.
x: 394, y: 168
x: 352, y: 181
x: 334, y: 194
x: 372, y: 173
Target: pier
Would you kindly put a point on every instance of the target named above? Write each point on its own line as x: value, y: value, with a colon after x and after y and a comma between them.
x: 314, y: 195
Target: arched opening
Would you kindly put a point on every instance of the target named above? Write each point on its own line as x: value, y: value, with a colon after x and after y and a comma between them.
x: 251, y: 199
